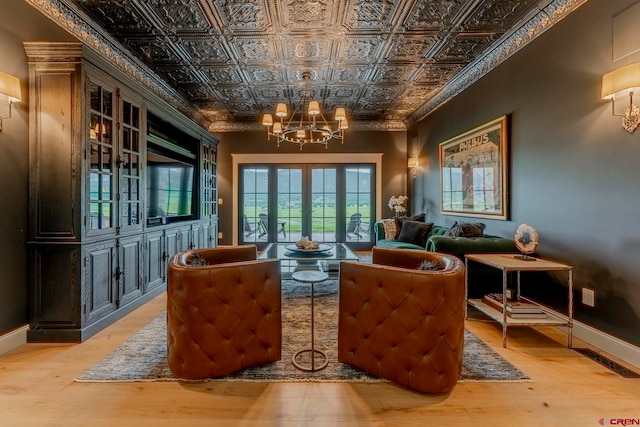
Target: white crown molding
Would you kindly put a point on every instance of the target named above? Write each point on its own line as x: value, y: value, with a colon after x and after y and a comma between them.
x: 510, y: 43
x: 90, y: 34
x: 386, y: 126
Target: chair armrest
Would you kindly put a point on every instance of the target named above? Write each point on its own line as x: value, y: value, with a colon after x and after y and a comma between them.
x: 378, y: 228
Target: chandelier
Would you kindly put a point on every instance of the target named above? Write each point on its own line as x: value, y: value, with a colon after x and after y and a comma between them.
x: 305, y: 126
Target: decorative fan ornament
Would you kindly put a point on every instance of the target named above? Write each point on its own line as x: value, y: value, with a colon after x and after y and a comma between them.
x: 526, y: 241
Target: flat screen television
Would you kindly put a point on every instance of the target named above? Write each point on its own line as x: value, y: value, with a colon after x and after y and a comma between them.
x: 171, y: 183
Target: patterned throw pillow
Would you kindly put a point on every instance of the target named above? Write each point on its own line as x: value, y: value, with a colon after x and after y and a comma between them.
x: 431, y: 265
x: 389, y: 228
x: 197, y: 260
x: 465, y: 229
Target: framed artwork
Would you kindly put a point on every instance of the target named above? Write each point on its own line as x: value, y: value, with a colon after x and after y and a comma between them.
x: 474, y: 172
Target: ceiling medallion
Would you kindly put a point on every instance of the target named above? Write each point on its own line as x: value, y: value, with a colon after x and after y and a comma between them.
x: 306, y: 125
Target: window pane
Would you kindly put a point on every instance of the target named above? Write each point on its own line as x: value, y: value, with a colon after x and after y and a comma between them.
x: 94, y: 186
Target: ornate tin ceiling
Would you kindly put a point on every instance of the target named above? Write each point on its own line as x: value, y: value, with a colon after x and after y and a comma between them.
x: 387, y: 61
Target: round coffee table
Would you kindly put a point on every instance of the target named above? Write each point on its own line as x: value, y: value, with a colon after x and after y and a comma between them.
x: 311, y: 277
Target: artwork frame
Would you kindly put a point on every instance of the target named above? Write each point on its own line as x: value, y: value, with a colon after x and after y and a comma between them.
x: 474, y: 172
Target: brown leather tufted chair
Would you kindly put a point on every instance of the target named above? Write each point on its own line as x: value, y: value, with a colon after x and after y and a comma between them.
x: 224, y: 316
x: 401, y: 323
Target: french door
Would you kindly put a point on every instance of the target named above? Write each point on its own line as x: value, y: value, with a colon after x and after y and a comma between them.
x: 325, y: 202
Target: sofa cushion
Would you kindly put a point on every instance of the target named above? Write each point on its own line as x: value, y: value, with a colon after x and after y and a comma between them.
x: 396, y: 244
x: 466, y: 229
x: 399, y: 221
x: 414, y: 232
x: 390, y: 228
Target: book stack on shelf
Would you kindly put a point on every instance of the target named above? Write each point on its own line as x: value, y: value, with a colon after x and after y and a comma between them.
x: 515, y: 309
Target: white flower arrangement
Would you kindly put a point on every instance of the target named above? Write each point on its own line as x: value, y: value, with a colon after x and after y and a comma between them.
x: 396, y: 204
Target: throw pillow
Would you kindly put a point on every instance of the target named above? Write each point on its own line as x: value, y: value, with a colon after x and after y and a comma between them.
x: 414, y: 232
x: 465, y: 229
x: 418, y: 217
x: 431, y: 265
x: 389, y: 228
x: 197, y: 260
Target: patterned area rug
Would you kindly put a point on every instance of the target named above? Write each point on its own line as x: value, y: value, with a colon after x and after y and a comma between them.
x: 144, y: 356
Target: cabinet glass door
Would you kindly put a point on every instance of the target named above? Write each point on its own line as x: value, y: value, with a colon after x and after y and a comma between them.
x: 101, y: 165
x: 130, y: 215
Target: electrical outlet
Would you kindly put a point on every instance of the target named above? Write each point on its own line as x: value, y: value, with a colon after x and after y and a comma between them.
x: 589, y: 297
x: 509, y: 294
x: 220, y: 235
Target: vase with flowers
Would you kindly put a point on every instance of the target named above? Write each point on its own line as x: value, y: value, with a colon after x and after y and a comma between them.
x: 396, y: 204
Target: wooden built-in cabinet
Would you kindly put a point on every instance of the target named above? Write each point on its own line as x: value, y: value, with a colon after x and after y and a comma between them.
x: 94, y: 254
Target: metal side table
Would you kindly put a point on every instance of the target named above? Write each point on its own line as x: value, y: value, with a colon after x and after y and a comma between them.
x: 311, y: 277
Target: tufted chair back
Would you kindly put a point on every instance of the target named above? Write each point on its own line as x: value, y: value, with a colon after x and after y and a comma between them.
x: 401, y: 323
x: 223, y: 316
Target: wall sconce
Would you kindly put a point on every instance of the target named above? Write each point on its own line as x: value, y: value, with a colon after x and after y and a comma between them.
x: 412, y: 164
x: 10, y: 92
x: 619, y: 83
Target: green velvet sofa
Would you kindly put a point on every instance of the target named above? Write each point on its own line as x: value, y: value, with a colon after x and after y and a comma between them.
x: 482, y: 279
x: 458, y: 246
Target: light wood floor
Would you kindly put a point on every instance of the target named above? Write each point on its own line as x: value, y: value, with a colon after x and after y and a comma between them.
x: 567, y: 389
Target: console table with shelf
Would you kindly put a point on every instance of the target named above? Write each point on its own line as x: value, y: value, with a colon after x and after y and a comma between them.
x: 513, y: 263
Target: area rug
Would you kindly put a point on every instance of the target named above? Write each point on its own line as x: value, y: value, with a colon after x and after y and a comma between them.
x: 144, y: 356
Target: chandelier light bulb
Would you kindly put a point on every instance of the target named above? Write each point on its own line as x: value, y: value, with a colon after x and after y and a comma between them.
x: 344, y: 124
x: 341, y: 114
x: 300, y: 134
x: 277, y: 128
x: 267, y: 120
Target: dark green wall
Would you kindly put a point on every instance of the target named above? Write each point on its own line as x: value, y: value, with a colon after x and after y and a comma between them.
x: 574, y: 170
x: 391, y: 144
x: 18, y: 22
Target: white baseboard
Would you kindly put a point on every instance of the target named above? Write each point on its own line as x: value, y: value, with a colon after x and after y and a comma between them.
x: 13, y: 339
x: 610, y: 344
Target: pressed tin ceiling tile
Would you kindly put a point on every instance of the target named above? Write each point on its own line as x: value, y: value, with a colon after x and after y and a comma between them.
x: 386, y: 60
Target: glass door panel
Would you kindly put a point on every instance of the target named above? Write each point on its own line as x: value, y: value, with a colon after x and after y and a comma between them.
x: 290, y: 205
x: 323, y: 204
x: 130, y: 178
x: 254, y: 198
x: 358, y: 196
x: 101, y: 148
x: 327, y: 203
